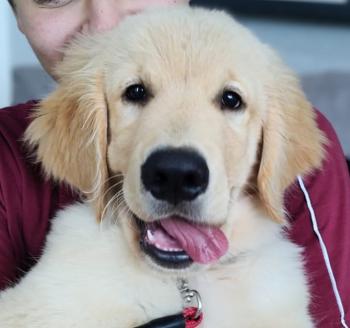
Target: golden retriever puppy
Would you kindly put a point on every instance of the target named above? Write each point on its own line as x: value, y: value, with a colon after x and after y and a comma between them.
x: 182, y: 130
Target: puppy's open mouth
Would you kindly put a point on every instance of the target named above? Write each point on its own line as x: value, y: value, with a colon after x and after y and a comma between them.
x: 175, y: 243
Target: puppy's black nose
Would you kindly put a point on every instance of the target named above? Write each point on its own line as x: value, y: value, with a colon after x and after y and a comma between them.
x: 175, y: 175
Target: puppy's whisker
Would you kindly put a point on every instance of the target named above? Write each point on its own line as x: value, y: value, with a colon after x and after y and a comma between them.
x: 114, y: 176
x: 123, y: 211
x: 99, y: 184
x: 119, y: 193
x: 119, y: 206
x: 96, y: 190
x: 115, y: 216
x: 118, y: 200
x: 111, y: 201
x: 96, y: 187
x: 115, y: 185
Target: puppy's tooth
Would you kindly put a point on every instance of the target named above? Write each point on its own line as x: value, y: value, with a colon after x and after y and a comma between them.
x: 150, y: 235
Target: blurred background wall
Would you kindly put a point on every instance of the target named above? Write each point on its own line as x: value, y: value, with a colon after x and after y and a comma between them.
x: 5, y: 62
x: 317, y: 47
x: 20, y: 71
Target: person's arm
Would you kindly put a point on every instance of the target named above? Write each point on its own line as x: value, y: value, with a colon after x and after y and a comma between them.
x: 27, y: 200
x: 24, y: 199
x: 8, y: 265
x: 329, y: 190
x: 9, y: 195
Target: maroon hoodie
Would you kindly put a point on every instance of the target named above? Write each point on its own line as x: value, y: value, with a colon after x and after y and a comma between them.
x: 28, y: 202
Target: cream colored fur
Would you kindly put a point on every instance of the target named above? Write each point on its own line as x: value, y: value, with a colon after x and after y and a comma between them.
x: 92, y: 273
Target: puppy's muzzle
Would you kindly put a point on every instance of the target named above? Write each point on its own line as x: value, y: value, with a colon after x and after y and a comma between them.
x: 175, y: 175
x: 175, y: 235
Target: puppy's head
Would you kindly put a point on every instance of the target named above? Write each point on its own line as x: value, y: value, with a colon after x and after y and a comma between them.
x: 168, y: 121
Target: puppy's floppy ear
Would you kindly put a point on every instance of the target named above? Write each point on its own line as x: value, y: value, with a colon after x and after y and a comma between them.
x: 69, y: 132
x: 292, y: 144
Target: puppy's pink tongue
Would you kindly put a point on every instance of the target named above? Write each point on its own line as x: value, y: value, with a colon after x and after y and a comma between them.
x: 204, y: 244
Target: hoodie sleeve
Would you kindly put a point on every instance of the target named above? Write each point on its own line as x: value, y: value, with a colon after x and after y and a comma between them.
x: 329, y: 191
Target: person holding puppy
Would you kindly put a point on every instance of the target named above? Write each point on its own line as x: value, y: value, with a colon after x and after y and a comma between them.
x: 28, y: 201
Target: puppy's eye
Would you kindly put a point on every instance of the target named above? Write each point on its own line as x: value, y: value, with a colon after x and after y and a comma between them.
x: 136, y: 93
x: 231, y: 100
